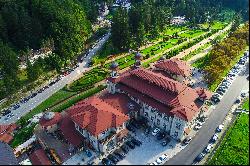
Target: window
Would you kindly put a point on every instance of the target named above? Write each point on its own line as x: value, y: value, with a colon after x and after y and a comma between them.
x: 176, y: 134
x: 166, y: 118
x: 152, y: 110
x: 158, y: 122
x: 164, y: 126
x: 159, y: 114
x: 178, y: 126
x: 146, y: 114
x: 152, y: 118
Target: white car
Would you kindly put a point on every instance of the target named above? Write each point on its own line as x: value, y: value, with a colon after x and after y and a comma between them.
x: 215, y: 137
x: 156, y: 131
x: 219, y: 128
x: 154, y: 163
x: 197, y: 127
x: 162, y: 159
x: 208, y: 148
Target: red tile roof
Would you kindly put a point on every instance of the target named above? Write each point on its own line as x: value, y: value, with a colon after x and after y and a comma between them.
x: 203, y: 93
x: 7, y: 138
x: 69, y: 132
x: 148, y: 100
x: 119, y: 101
x: 46, y: 123
x: 175, y: 66
x: 7, y: 128
x: 6, y: 131
x: 96, y: 116
x: 160, y: 92
x: 38, y: 157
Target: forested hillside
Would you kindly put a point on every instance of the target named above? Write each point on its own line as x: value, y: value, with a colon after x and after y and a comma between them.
x: 64, y: 25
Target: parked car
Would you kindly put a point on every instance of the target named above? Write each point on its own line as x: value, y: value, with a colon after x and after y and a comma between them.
x: 88, y: 153
x: 166, y: 141
x: 113, y: 158
x: 208, y: 148
x: 130, y: 128
x: 197, y: 127
x: 136, y: 142
x: 153, y: 163
x: 160, y: 136
x: 187, y: 140
x: 130, y: 144
x: 156, y: 131
x: 106, y: 161
x: 214, y: 138
x: 199, y: 157
x: 125, y: 149
x: 119, y: 155
x: 219, y: 128
x: 162, y: 159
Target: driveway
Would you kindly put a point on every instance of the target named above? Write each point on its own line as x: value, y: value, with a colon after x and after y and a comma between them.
x: 149, y: 150
x: 200, y: 141
x: 37, y: 100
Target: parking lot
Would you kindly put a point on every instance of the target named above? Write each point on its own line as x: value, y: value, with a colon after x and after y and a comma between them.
x: 150, y: 150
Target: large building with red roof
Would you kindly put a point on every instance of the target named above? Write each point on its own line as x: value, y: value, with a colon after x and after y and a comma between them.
x: 98, y: 122
x: 163, y: 99
x: 174, y: 68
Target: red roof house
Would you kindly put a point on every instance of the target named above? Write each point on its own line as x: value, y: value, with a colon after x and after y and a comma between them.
x: 165, y: 94
x: 6, y: 132
x: 174, y: 66
x: 96, y: 116
x: 38, y: 157
x: 50, y: 119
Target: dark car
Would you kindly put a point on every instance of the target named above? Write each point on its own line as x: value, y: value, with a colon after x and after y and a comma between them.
x: 106, y: 161
x: 125, y: 148
x: 160, y: 136
x: 135, y: 124
x: 6, y: 112
x: 136, y: 142
x: 130, y: 144
x: 113, y: 158
x: 187, y: 140
x: 199, y: 157
x: 119, y: 155
x: 166, y: 141
x: 130, y: 128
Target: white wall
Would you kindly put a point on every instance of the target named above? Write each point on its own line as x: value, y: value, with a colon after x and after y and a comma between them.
x: 177, y: 128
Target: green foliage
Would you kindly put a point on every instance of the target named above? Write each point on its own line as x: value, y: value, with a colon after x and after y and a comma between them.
x: 78, y: 98
x: 234, y: 149
x: 22, y: 135
x: 246, y: 105
x: 9, y: 68
x: 56, y: 98
x: 89, y: 79
x: 225, y: 54
x: 120, y: 30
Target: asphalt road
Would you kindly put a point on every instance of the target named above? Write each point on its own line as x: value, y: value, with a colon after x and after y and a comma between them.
x: 200, y: 141
x: 35, y: 101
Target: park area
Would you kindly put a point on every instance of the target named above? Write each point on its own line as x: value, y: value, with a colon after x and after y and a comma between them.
x: 84, y: 87
x: 234, y: 149
x: 170, y: 37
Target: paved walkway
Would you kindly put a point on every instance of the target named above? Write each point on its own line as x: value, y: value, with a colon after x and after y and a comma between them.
x: 191, y: 49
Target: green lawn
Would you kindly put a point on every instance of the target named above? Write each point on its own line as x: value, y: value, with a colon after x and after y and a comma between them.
x: 89, y: 79
x: 197, y: 51
x: 246, y: 104
x: 234, y: 149
x: 192, y: 33
x: 51, y: 101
